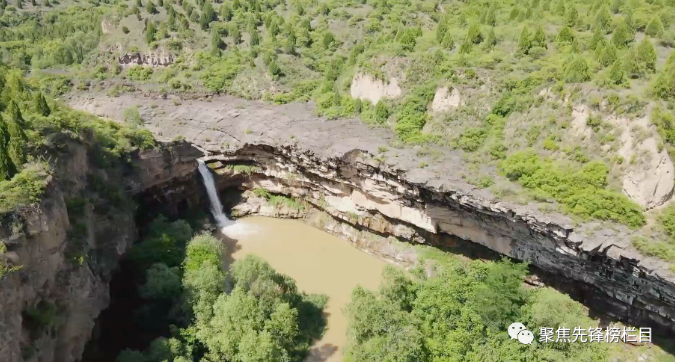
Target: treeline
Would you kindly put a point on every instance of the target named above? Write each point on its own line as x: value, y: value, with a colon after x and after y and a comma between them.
x: 248, y: 312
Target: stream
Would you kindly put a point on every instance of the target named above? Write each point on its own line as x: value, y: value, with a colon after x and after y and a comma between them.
x: 319, y: 262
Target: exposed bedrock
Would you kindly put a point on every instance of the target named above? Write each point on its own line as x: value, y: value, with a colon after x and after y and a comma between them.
x: 352, y: 189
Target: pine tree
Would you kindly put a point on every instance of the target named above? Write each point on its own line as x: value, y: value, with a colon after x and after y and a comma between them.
x: 560, y: 8
x: 274, y: 28
x: 441, y: 30
x: 616, y: 73
x: 150, y: 32
x: 139, y: 4
x: 474, y: 35
x: 647, y: 54
x: 289, y: 45
x: 622, y: 35
x: 491, y: 39
x: 631, y: 64
x: 7, y: 167
x: 577, y: 71
x: 608, y: 55
x: 226, y: 12
x: 32, y: 2
x: 597, y: 40
x: 150, y: 7
x: 655, y: 27
x: 381, y: 112
x: 565, y: 36
x: 539, y: 38
x: 603, y: 19
x: 274, y: 69
x: 19, y: 4
x: 255, y: 38
x: 216, y: 42
x: 524, y: 40
x: 617, y: 5
x: 306, y: 38
x: 17, y: 143
x: 328, y: 40
x: 572, y: 16
x: 15, y: 114
x: 40, y: 105
x: 236, y: 34
x: 491, y: 17
x: 207, y: 16
x: 17, y: 137
x: 161, y: 3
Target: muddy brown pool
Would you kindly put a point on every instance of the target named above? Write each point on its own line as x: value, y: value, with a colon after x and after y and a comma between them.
x: 319, y: 262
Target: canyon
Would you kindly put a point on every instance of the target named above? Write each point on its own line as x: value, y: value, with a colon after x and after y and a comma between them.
x: 333, y: 171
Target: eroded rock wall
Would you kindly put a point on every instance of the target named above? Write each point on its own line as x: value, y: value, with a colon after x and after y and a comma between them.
x: 58, y: 261
x: 356, y: 190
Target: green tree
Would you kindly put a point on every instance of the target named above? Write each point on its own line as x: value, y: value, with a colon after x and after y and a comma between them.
x: 622, y: 35
x: 274, y: 28
x: 7, y: 167
x: 150, y: 7
x: 255, y: 38
x: 207, y: 16
x: 40, y: 104
x: 631, y: 64
x: 226, y: 12
x: 274, y: 69
x: 647, y: 54
x: 655, y: 27
x: 381, y: 112
x: 572, y: 16
x: 328, y: 40
x: 539, y: 38
x: 577, y: 71
x: 236, y: 34
x: 161, y: 282
x: 491, y: 39
x: 616, y: 73
x: 603, y: 19
x: 150, y: 32
x: 441, y: 30
x: 139, y: 4
x: 289, y: 45
x: 17, y: 136
x: 216, y: 42
x: 608, y: 55
x: 565, y: 36
x: 597, y: 40
x: 524, y: 40
x: 474, y: 35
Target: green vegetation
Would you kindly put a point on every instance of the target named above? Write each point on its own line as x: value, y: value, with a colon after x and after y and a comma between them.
x: 247, y: 313
x: 279, y: 200
x: 245, y: 169
x: 460, y: 314
x: 583, y: 191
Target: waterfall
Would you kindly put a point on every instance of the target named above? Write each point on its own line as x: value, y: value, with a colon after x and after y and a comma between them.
x: 216, y: 207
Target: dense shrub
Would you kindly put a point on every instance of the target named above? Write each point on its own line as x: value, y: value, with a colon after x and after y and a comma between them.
x: 459, y: 314
x: 583, y: 191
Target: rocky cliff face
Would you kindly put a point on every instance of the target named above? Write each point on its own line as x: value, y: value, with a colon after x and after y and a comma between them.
x: 59, y: 254
x: 353, y: 189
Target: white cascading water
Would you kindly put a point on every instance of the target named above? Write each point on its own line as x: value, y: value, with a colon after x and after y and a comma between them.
x: 216, y: 207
